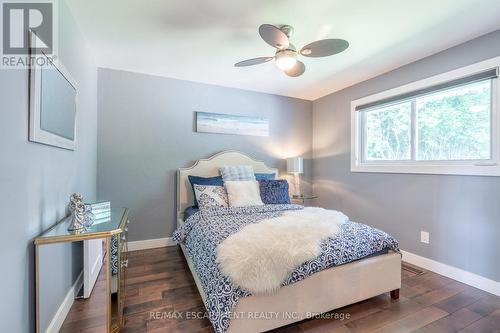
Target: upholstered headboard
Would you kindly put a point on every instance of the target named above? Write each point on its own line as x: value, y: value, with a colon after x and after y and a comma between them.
x: 210, y: 167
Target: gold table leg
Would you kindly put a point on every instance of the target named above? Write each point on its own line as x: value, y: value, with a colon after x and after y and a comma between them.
x: 109, y: 315
x: 37, y: 289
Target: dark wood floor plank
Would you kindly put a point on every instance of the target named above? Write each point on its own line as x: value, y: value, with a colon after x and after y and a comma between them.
x: 461, y: 300
x: 488, y: 324
x: 437, y: 295
x: 451, y: 323
x: 344, y: 315
x: 486, y: 305
x: 384, y: 317
x: 327, y: 329
x: 413, y: 321
x: 159, y: 285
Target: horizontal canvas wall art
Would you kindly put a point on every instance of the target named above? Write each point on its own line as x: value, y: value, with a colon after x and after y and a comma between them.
x: 231, y: 124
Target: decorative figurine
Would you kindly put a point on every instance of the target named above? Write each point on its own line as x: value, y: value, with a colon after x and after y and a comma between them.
x: 81, y: 215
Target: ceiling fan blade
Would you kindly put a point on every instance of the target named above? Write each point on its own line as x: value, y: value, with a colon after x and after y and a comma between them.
x: 296, y: 70
x: 324, y: 48
x: 254, y: 61
x: 273, y: 36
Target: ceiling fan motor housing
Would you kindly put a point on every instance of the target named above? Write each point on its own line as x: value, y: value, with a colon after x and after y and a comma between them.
x: 287, y: 30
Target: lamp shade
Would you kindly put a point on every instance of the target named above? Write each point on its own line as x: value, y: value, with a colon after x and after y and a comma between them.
x: 295, y: 165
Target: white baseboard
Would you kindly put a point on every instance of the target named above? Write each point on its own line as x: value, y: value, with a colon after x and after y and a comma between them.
x: 63, y: 310
x: 150, y: 244
x: 454, y: 273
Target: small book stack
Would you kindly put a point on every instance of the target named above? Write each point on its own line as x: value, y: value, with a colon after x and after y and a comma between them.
x: 101, y: 210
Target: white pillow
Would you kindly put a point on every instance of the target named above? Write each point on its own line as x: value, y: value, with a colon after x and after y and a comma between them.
x: 210, y: 196
x: 243, y: 193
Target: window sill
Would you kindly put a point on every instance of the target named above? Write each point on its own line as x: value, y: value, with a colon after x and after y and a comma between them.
x: 463, y: 170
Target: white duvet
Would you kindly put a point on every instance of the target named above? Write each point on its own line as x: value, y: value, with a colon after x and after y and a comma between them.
x: 260, y: 256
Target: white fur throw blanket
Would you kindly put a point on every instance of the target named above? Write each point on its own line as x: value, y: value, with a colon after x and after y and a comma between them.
x: 260, y: 256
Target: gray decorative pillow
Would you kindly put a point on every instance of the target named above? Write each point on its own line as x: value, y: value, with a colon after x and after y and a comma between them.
x: 237, y: 172
x: 209, y: 196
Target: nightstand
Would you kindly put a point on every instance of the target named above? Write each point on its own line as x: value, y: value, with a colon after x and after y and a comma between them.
x: 304, y: 197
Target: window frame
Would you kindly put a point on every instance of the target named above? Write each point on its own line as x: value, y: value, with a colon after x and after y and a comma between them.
x: 488, y: 167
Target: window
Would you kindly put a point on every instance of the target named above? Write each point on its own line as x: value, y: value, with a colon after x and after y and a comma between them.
x: 442, y: 125
x: 455, y: 124
x: 388, y: 133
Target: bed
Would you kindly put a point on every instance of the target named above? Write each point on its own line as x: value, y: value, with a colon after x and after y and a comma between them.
x: 320, y: 292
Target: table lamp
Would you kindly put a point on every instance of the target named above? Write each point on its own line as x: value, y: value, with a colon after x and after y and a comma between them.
x: 295, y: 165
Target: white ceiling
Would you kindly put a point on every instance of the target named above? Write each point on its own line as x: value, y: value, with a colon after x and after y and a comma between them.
x: 200, y: 40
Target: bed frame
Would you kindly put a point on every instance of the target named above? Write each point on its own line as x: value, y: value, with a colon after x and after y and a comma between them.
x: 321, y: 292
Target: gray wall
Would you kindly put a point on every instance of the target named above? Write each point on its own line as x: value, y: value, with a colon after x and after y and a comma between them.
x: 36, y: 182
x: 462, y: 213
x: 146, y: 132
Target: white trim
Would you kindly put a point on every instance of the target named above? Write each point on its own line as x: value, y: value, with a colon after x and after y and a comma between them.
x: 63, y: 310
x: 36, y: 133
x: 454, y: 273
x: 491, y: 168
x: 150, y: 244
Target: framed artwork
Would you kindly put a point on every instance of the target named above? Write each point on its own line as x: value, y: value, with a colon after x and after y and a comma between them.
x: 231, y: 124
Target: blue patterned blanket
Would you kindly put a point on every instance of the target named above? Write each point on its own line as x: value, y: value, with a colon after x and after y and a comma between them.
x: 205, y: 230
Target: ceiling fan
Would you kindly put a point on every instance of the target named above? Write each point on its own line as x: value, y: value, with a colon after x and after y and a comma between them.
x: 286, y: 53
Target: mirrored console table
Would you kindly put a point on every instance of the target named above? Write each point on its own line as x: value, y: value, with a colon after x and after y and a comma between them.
x: 113, y: 231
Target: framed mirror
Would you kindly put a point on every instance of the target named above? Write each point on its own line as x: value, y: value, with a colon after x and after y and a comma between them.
x: 53, y: 99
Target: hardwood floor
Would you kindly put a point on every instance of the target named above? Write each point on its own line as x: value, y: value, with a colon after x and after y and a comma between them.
x: 160, y: 288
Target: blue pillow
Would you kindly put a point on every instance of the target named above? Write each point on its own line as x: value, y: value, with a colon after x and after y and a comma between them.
x: 190, y: 211
x: 264, y: 176
x: 195, y: 180
x: 274, y: 192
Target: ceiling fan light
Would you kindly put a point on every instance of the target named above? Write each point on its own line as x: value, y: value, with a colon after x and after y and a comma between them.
x: 286, y: 59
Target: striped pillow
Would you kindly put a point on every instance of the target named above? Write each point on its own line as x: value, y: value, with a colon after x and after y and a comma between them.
x: 237, y: 172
